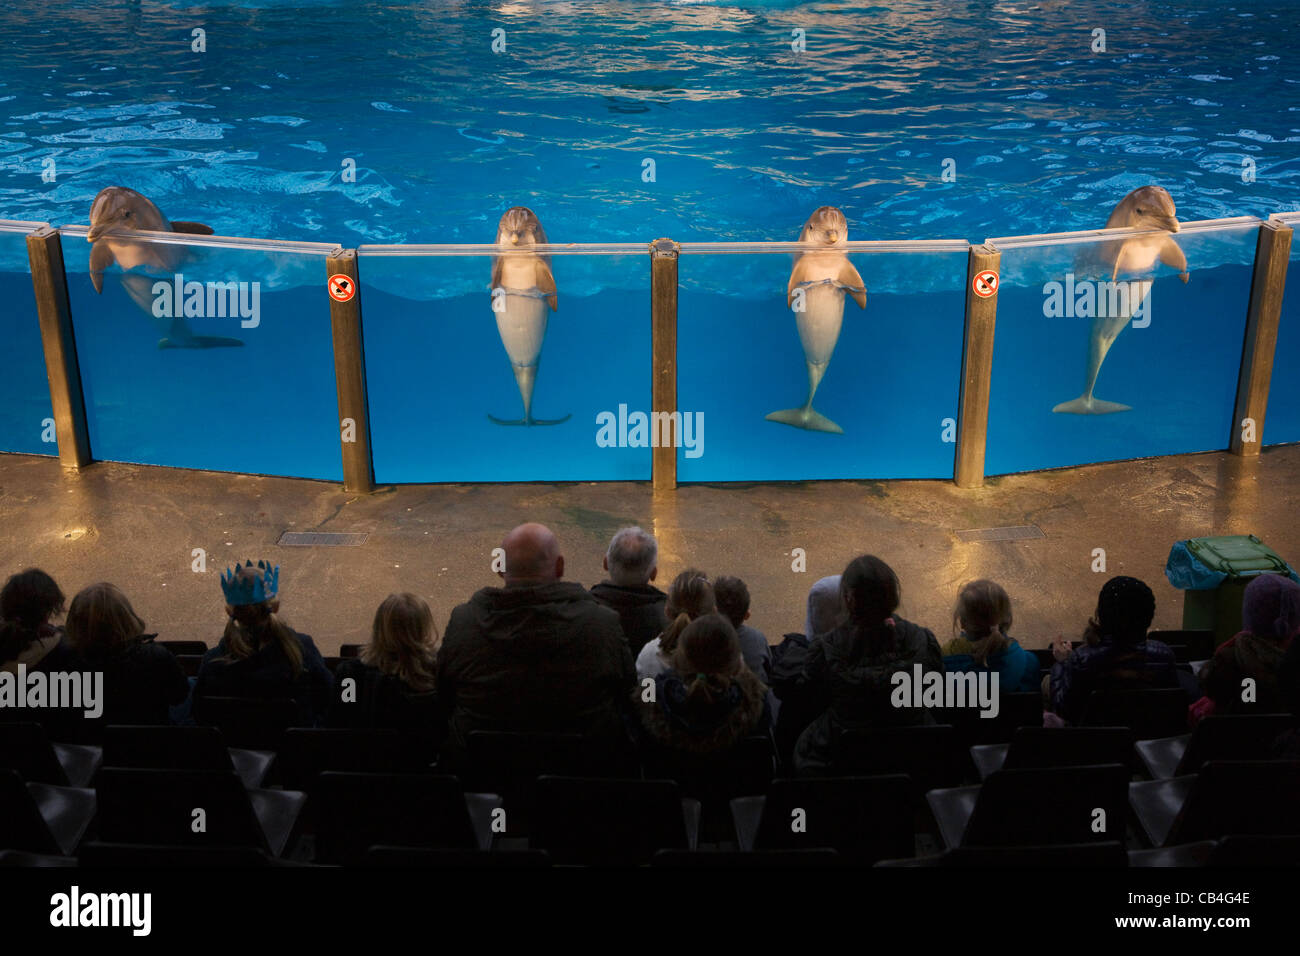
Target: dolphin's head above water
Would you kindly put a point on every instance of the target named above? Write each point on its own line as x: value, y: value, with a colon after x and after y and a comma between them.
x: 520, y: 228
x: 825, y: 227
x: 1148, y: 207
x: 118, y: 210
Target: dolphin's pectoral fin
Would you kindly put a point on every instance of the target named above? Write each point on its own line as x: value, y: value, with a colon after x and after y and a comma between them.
x: 1172, y: 255
x: 546, y: 285
x: 200, y: 342
x: 198, y: 228
x: 805, y: 418
x: 851, y: 279
x: 1086, y: 405
x: 101, y: 257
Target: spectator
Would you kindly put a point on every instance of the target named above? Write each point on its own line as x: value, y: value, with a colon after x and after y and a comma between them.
x: 689, y: 596
x: 539, y: 654
x: 799, y: 703
x: 259, y: 655
x: 1270, y: 619
x: 1115, y: 655
x: 633, y: 562
x: 732, y: 598
x: 710, y: 699
x: 825, y: 607
x: 30, y: 603
x: 392, y: 681
x: 981, y: 620
x: 142, y: 680
x: 852, y: 665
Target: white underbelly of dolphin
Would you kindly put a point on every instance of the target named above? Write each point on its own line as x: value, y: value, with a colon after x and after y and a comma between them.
x: 819, y: 330
x: 521, y: 324
x: 1105, y: 329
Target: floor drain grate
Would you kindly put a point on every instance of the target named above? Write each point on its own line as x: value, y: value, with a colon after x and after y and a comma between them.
x: 323, y: 539
x: 1013, y: 533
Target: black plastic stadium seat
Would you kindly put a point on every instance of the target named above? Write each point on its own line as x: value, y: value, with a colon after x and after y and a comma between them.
x: 813, y: 858
x: 1037, y: 747
x: 184, y: 647
x: 41, y: 818
x: 25, y: 859
x: 1252, y: 797
x: 930, y: 755
x: 1228, y: 737
x: 1109, y: 853
x: 115, y: 856
x: 1183, y: 855
x: 332, y: 663
x: 1014, y: 710
x: 1199, y: 644
x: 1255, y: 851
x: 308, y: 752
x: 1148, y: 713
x: 715, y: 779
x: 24, y: 747
x: 253, y: 723
x: 408, y: 857
x: 865, y: 819
x: 190, y: 664
x: 350, y: 650
x: 600, y: 821
x: 351, y: 812
x: 156, y: 807
x: 182, y: 748
x: 1025, y: 807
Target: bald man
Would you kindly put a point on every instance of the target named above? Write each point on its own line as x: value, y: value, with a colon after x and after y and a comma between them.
x: 540, y: 654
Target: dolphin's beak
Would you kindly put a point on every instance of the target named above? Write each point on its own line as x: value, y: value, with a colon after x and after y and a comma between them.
x: 1166, y: 222
x: 514, y: 238
x: 94, y: 232
x: 833, y: 236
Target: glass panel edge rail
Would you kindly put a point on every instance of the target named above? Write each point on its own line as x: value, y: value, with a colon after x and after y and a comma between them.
x: 1083, y: 235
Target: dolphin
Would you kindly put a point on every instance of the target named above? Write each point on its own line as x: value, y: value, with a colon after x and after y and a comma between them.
x: 522, y: 290
x: 824, y: 275
x: 1148, y: 207
x: 116, y: 213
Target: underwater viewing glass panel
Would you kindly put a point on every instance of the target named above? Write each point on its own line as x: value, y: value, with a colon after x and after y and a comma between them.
x: 1092, y: 364
x: 449, y: 376
x: 887, y: 378
x: 208, y: 353
x: 1282, y: 420
x: 26, y: 419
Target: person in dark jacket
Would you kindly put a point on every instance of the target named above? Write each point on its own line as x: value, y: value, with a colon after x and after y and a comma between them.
x: 853, y: 665
x: 732, y: 597
x: 710, y: 700
x: 983, y: 618
x: 259, y: 655
x: 540, y: 654
x: 1270, y: 618
x: 632, y: 561
x: 391, y: 683
x: 142, y: 680
x: 30, y: 603
x: 1115, y: 654
x: 801, y: 704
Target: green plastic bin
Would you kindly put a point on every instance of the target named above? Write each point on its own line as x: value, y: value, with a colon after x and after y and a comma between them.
x: 1240, y: 557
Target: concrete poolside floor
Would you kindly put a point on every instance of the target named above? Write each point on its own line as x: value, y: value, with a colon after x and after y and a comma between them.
x: 138, y: 527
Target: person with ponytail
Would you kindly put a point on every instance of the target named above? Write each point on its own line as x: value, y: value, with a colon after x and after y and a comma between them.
x: 394, y: 677
x: 259, y: 655
x: 980, y: 622
x: 710, y: 699
x: 689, y: 596
x: 853, y: 665
x: 30, y: 603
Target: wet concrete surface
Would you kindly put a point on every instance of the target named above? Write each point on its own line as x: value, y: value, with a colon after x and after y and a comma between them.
x: 139, y: 527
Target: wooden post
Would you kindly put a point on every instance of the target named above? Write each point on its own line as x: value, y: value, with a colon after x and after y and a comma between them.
x: 1272, y: 255
x: 350, y: 374
x: 50, y: 283
x: 976, y: 369
x: 663, y: 339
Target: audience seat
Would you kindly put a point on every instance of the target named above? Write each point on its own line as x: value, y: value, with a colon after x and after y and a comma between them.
x: 1014, y: 710
x: 601, y: 821
x: 1199, y: 644
x: 351, y: 812
x: 183, y: 748
x: 309, y: 751
x: 715, y: 779
x: 22, y: 858
x: 1108, y: 853
x: 410, y: 857
x: 1272, y: 850
x: 1148, y: 713
x: 42, y: 818
x: 250, y: 722
x: 155, y: 807
x: 117, y: 856
x: 865, y: 819
x: 350, y: 650
x: 184, y: 647
x: 753, y: 860
x: 1183, y: 855
x: 190, y: 664
x: 25, y: 748
x: 1252, y: 797
x: 929, y: 755
x: 1227, y: 737
x: 1027, y: 807
x: 1039, y: 747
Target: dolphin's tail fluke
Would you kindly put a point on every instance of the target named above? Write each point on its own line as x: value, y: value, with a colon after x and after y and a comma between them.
x: 529, y: 420
x: 805, y: 417
x: 526, y: 378
x: 1087, y: 405
x: 200, y: 342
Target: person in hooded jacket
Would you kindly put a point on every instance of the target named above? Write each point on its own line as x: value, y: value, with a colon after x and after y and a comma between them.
x: 853, y: 665
x: 1270, y: 620
x: 632, y: 561
x: 983, y: 617
x: 540, y: 654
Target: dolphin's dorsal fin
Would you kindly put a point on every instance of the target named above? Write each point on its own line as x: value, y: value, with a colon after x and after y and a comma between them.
x: 546, y: 283
x: 181, y: 225
x: 101, y: 257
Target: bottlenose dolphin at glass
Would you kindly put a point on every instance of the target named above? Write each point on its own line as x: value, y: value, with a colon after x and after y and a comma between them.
x: 1148, y: 207
x: 821, y: 276
x: 116, y: 213
x: 522, y: 291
